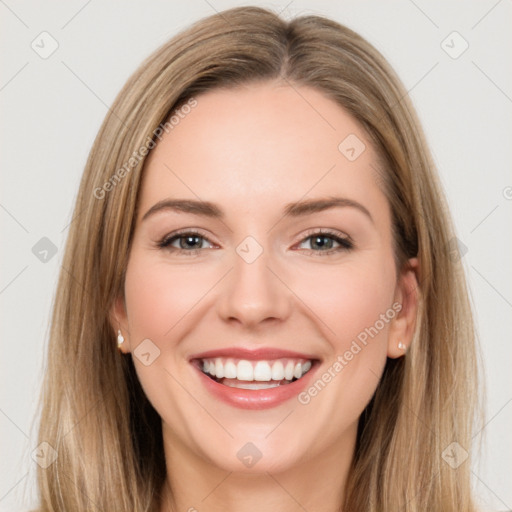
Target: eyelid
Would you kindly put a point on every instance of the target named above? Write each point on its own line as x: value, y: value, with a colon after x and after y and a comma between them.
x: 324, y: 231
x: 166, y: 240
x: 344, y: 240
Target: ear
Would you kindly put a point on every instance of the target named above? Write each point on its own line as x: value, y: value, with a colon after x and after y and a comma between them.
x: 407, y: 298
x: 119, y: 321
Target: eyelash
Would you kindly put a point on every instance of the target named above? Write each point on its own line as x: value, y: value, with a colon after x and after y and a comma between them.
x: 345, y: 243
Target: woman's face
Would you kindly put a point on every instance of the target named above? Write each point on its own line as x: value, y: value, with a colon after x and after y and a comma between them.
x: 263, y: 248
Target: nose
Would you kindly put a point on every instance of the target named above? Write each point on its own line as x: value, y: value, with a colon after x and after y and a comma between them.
x: 254, y: 293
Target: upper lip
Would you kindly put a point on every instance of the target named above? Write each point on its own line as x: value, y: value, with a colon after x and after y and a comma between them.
x: 258, y: 354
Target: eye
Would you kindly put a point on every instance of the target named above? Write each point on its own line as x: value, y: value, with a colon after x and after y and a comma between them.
x: 319, y: 242
x: 189, y: 241
x: 326, y: 242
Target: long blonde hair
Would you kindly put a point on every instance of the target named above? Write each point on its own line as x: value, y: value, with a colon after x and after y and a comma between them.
x: 94, y: 412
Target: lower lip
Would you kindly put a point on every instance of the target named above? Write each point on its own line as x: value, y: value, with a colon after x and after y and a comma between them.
x: 255, y: 398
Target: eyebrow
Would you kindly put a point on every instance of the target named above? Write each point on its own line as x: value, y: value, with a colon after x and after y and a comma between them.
x: 296, y: 209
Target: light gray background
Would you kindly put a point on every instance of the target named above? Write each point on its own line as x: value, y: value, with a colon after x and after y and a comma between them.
x: 53, y: 107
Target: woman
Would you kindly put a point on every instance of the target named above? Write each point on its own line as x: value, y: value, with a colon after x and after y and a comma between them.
x: 261, y: 308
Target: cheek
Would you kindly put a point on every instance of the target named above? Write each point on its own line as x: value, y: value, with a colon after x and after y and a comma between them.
x: 160, y: 300
x: 159, y: 296
x: 353, y: 302
x: 350, y: 298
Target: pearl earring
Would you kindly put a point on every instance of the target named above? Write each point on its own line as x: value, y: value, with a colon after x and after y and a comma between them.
x: 120, y: 339
x: 401, y: 346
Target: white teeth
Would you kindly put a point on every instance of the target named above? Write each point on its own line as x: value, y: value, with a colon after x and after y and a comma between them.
x: 288, y: 371
x: 244, y: 370
x: 219, y: 369
x: 277, y: 371
x: 260, y: 371
x: 230, y: 370
x: 250, y: 385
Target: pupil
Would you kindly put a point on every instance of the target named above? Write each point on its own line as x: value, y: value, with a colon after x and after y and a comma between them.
x: 322, y: 242
x: 189, y: 242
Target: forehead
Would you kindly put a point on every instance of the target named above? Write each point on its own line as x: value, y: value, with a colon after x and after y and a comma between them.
x: 264, y: 143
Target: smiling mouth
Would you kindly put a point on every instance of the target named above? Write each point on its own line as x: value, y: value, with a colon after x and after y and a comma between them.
x: 255, y: 375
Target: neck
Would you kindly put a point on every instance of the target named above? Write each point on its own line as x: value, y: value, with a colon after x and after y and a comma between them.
x: 193, y: 484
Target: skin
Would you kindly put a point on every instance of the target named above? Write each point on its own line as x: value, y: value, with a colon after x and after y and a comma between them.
x: 251, y: 151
